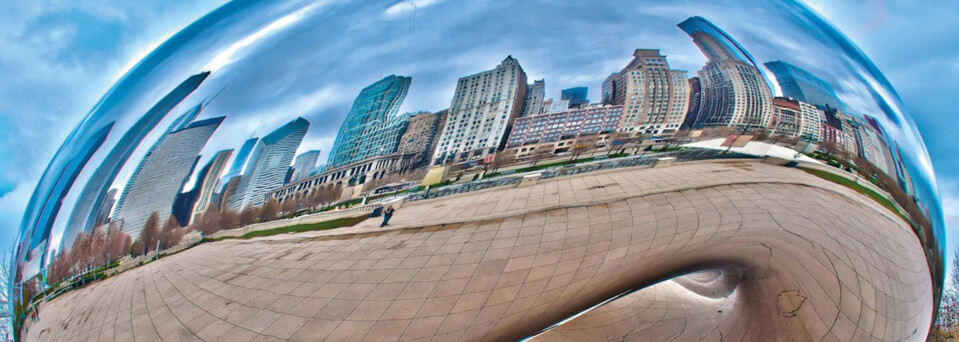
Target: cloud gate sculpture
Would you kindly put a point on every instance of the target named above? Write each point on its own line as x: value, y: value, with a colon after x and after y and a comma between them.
x: 442, y: 170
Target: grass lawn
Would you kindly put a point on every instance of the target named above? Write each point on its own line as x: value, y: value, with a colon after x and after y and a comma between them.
x: 855, y: 186
x: 299, y: 228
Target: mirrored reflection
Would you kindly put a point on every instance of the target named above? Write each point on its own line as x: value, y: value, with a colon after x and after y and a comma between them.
x: 265, y: 118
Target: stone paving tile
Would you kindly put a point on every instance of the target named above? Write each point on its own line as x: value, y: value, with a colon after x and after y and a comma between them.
x: 818, y: 262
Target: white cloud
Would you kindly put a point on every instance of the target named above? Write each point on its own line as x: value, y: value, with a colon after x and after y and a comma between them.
x: 404, y: 7
x: 229, y: 55
x: 138, y: 56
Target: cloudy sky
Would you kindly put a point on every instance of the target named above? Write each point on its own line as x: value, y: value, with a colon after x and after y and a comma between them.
x: 276, y: 61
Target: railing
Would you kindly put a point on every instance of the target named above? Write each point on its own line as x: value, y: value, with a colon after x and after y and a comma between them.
x: 569, y: 170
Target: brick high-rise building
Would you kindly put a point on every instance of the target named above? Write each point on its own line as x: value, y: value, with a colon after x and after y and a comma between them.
x: 422, y: 134
x: 481, y: 113
x: 535, y: 93
x: 734, y: 93
x: 655, y: 98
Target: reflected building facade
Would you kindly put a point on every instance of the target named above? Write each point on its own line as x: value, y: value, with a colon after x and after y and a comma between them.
x: 422, y: 134
x: 578, y: 96
x: 268, y: 164
x: 535, y: 93
x: 161, y: 175
x: 734, y: 93
x: 617, y: 202
x: 371, y: 128
x: 240, y: 160
x: 83, y: 216
x: 655, y: 98
x: 304, y: 164
x: 482, y: 111
x: 207, y: 183
x: 802, y: 85
x: 34, y: 242
x: 571, y: 124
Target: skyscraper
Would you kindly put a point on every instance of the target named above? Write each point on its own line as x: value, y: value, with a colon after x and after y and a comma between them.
x: 786, y: 117
x: 800, y: 84
x: 810, y: 127
x: 371, y: 128
x: 304, y: 164
x: 161, y: 175
x: 481, y: 113
x: 241, y: 156
x: 181, y: 122
x: 268, y: 164
x: 106, y: 207
x: 84, y: 212
x: 655, y: 98
x: 734, y: 93
x: 577, y: 96
x: 695, y: 99
x: 421, y: 135
x: 535, y: 93
x: 210, y: 181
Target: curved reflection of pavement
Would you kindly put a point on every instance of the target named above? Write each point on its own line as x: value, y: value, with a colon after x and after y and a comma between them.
x: 802, y: 259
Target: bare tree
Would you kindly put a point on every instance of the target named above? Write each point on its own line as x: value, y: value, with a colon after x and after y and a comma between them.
x: 209, y: 222
x: 539, y: 154
x: 288, y: 207
x: 248, y: 215
x: 98, y: 244
x: 171, y: 234
x: 583, y: 145
x: 6, y: 317
x: 947, y: 324
x: 503, y: 158
x: 149, y: 236
x: 115, y: 242
x: 269, y: 210
x: 229, y: 219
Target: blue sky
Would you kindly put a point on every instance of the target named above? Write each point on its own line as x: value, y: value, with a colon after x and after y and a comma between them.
x: 60, y: 57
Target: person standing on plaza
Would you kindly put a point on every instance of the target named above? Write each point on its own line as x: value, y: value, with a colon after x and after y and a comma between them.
x: 387, y: 214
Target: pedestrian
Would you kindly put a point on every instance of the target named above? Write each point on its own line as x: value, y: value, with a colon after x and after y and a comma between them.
x: 387, y: 214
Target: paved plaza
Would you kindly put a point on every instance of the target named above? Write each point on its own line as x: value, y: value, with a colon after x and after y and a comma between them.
x: 785, y: 256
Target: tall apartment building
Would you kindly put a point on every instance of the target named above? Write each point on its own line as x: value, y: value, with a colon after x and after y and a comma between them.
x: 655, y: 98
x: 162, y: 174
x: 106, y: 207
x: 304, y: 164
x: 481, y: 113
x: 810, y: 127
x: 695, y: 100
x: 206, y: 180
x: 210, y: 182
x: 886, y: 163
x: 422, y: 135
x: 371, y: 128
x: 802, y: 85
x: 268, y: 164
x: 595, y: 119
x: 786, y: 117
x: 236, y: 168
x: 577, y: 96
x: 535, y: 93
x: 734, y: 92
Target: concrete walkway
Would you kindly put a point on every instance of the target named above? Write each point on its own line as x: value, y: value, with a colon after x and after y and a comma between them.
x: 814, y: 261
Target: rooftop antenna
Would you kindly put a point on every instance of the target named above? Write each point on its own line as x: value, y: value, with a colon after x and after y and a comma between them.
x: 214, y: 96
